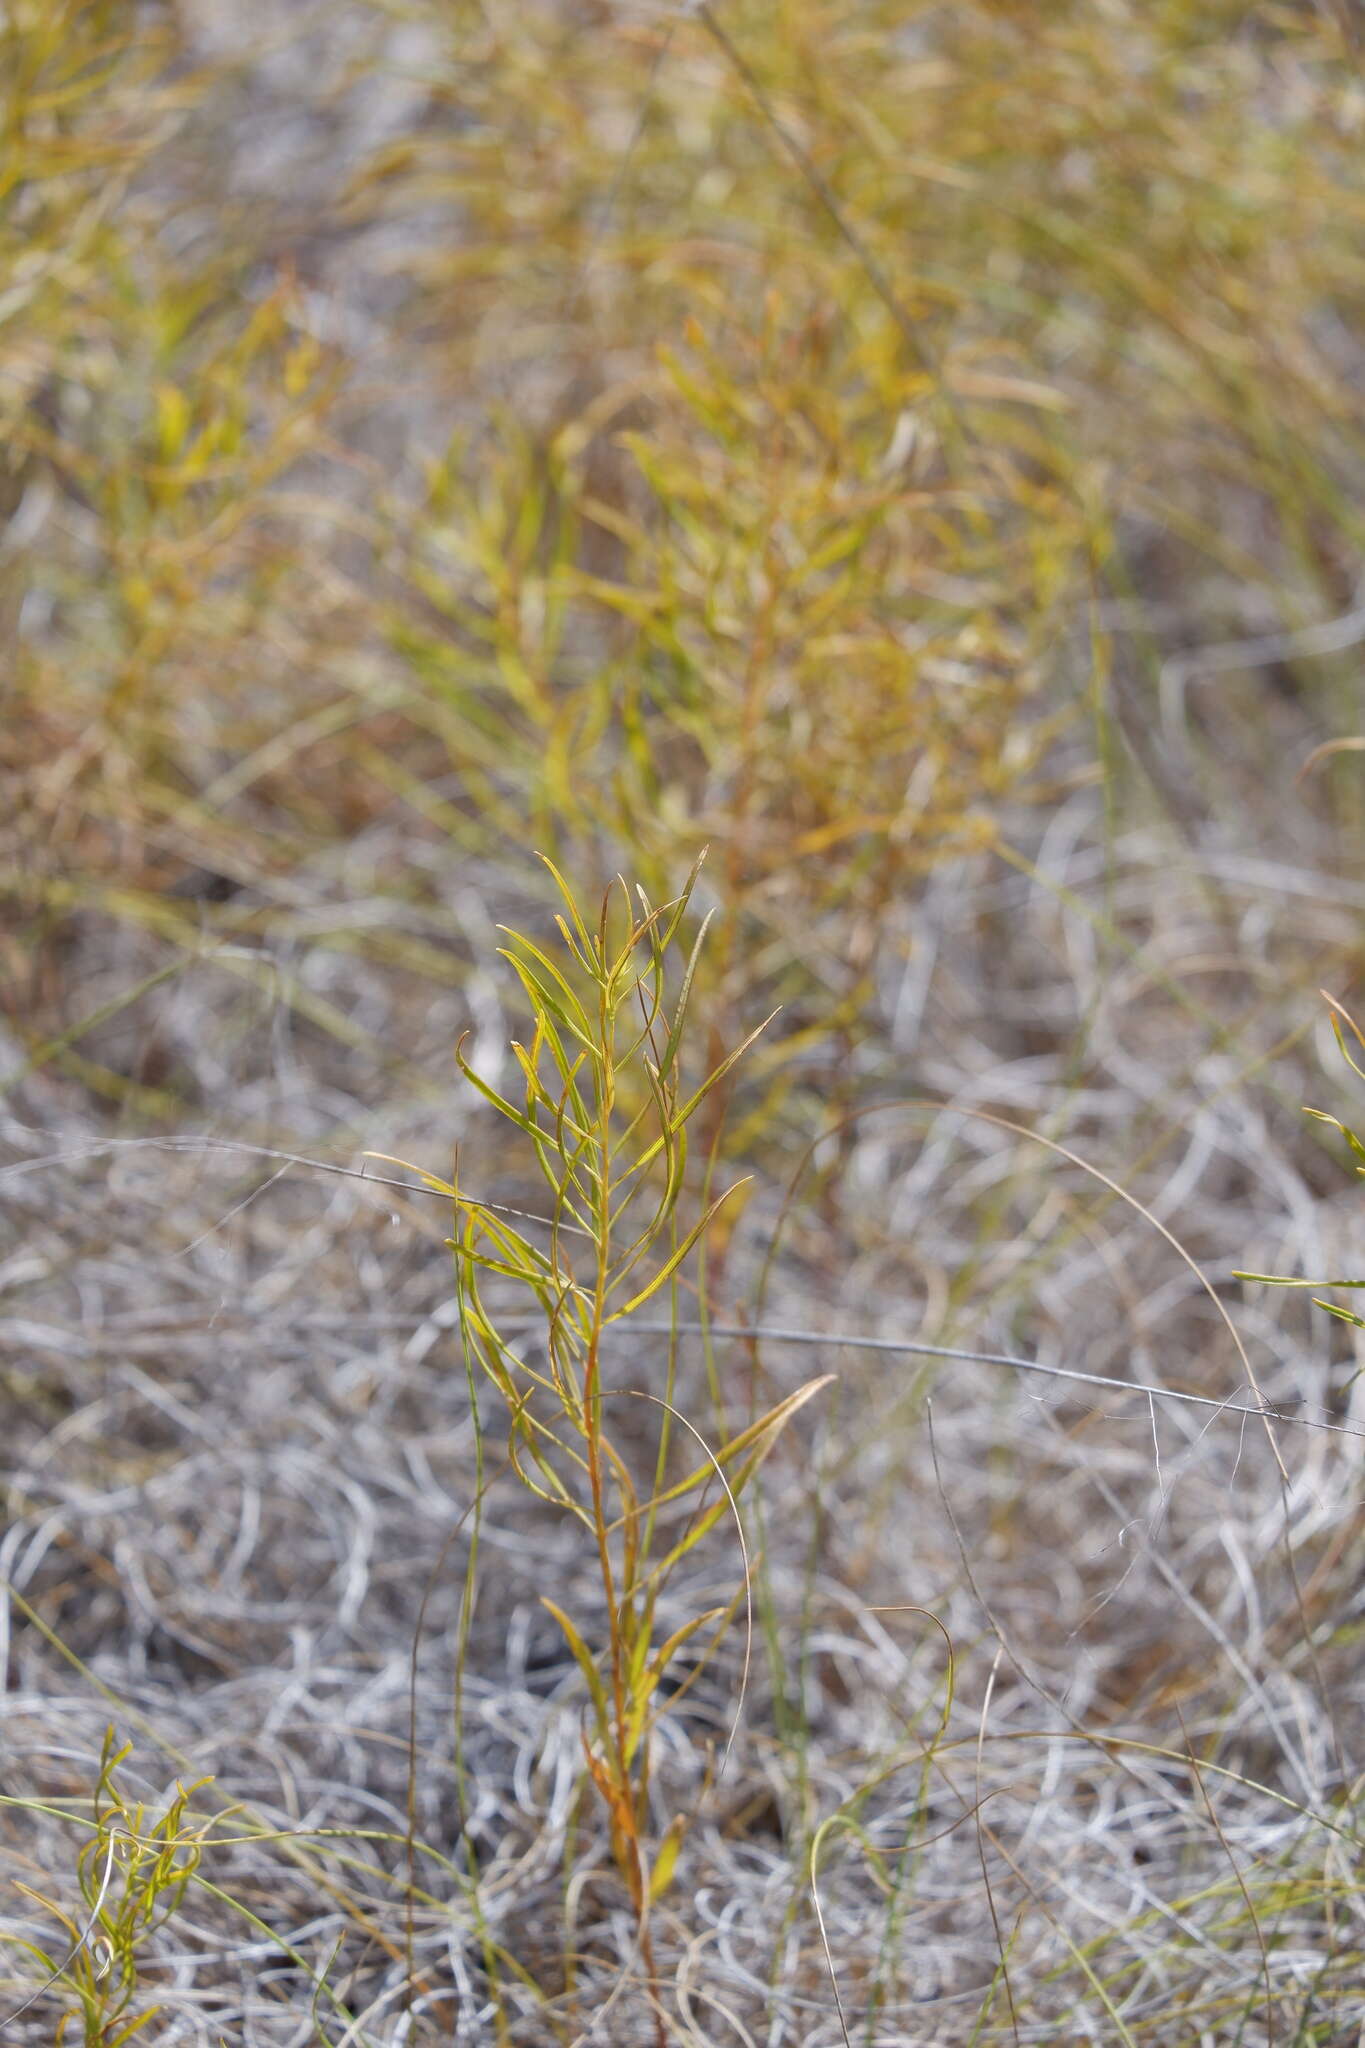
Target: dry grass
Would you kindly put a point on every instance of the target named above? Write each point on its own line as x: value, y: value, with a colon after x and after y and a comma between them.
x: 918, y: 454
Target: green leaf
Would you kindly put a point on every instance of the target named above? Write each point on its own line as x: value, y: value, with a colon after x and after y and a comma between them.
x: 670, y: 1649
x: 581, y: 930
x: 1345, y: 1315
x: 675, y: 1258
x: 1279, y: 1280
x: 1337, y: 1125
x: 759, y: 1438
x: 670, y: 1051
x: 559, y: 991
x: 681, y: 1116
x: 585, y: 1663
x: 1338, y: 1014
x: 666, y: 1862
x: 490, y: 1094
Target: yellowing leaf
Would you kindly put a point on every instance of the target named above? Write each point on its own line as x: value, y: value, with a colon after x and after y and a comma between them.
x: 666, y: 1862
x: 585, y: 1662
x: 172, y: 420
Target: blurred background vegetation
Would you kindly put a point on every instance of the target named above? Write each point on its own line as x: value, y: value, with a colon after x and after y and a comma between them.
x: 434, y: 434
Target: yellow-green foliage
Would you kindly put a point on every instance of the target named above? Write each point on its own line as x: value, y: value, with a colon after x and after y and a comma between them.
x: 151, y: 403
x: 816, y: 367
x: 132, y: 1874
x: 155, y: 581
x: 605, y: 1118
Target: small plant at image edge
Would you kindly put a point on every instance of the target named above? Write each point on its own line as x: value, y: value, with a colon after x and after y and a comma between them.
x: 605, y: 1118
x: 132, y: 1877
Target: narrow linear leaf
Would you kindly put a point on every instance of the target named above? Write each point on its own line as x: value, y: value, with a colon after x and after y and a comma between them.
x: 1337, y: 1125
x: 1280, y: 1280
x: 666, y: 1861
x: 693, y: 1102
x: 432, y: 1180
x: 570, y: 904
x: 760, y: 1435
x: 669, y: 1650
x: 675, y: 1259
x: 1344, y: 1315
x: 670, y: 1050
x: 585, y: 1662
x: 490, y: 1094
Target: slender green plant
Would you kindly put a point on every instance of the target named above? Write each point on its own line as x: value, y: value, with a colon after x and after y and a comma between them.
x: 132, y: 1876
x: 605, y: 1119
